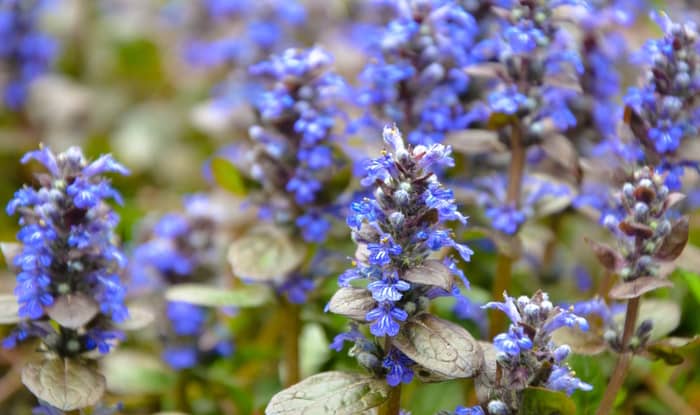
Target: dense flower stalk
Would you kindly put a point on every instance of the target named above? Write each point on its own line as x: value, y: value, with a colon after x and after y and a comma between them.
x: 396, y: 232
x: 183, y: 248
x: 26, y: 51
x: 293, y: 155
x: 665, y: 111
x: 526, y: 355
x: 415, y: 75
x: 69, y: 254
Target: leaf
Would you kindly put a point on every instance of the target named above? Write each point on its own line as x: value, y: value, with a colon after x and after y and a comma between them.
x: 314, y: 350
x: 581, y: 342
x: 561, y: 150
x: 673, y: 198
x: 638, y: 287
x: 332, y: 393
x: 430, y: 272
x: 475, y: 142
x: 265, y: 253
x: 133, y: 373
x: 209, y: 296
x: 10, y: 250
x: 541, y: 401
x: 9, y: 309
x: 73, y: 310
x: 665, y: 316
x: 484, y: 69
x: 228, y: 176
x: 66, y: 384
x: 351, y: 302
x: 672, y: 246
x: 607, y: 256
x: 139, y: 318
x: 485, y: 381
x: 636, y: 229
x: 672, y: 349
x: 440, y: 346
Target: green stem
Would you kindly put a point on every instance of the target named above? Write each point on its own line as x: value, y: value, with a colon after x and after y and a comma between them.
x: 623, y: 362
x: 181, y: 401
x: 291, y: 343
x: 504, y: 262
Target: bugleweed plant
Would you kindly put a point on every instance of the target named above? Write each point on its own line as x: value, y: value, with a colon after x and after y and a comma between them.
x: 391, y: 207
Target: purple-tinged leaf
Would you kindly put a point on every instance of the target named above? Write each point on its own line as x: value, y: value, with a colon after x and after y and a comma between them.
x: 430, y: 272
x: 66, y: 384
x: 440, y: 346
x: 607, y: 256
x: 638, y: 287
x: 674, y: 243
x: 352, y: 303
x: 73, y: 310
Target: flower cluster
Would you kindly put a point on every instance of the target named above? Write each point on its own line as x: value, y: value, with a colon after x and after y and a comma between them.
x: 183, y: 248
x: 415, y: 75
x: 534, y: 52
x: 644, y: 229
x: 506, y: 217
x: 26, y: 51
x: 396, y: 232
x: 69, y: 258
x: 666, y: 114
x: 236, y: 32
x: 293, y: 153
x: 526, y: 355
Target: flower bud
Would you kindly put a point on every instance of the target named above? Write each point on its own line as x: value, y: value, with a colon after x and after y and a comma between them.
x: 497, y: 408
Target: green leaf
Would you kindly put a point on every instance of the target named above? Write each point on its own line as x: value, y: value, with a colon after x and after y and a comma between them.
x: 693, y: 281
x: 314, y: 350
x: 440, y: 346
x: 330, y: 393
x: 541, y: 401
x: 73, y: 310
x: 133, y: 373
x: 67, y: 384
x: 228, y: 176
x: 672, y: 350
x: 664, y: 314
x: 265, y: 253
x: 9, y: 309
x: 209, y: 296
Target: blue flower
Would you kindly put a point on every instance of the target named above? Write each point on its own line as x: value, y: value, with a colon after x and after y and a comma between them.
x: 186, y: 319
x: 385, y: 319
x: 86, y: 229
x: 506, y: 101
x: 314, y: 226
x: 473, y: 410
x: 388, y: 289
x: 561, y: 379
x: 506, y: 218
x: 381, y: 253
x: 399, y: 368
x: 181, y: 357
x: 512, y: 342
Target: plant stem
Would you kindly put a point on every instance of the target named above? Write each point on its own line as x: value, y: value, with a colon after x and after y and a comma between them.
x: 504, y: 262
x: 623, y: 361
x: 392, y: 406
x: 291, y: 343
